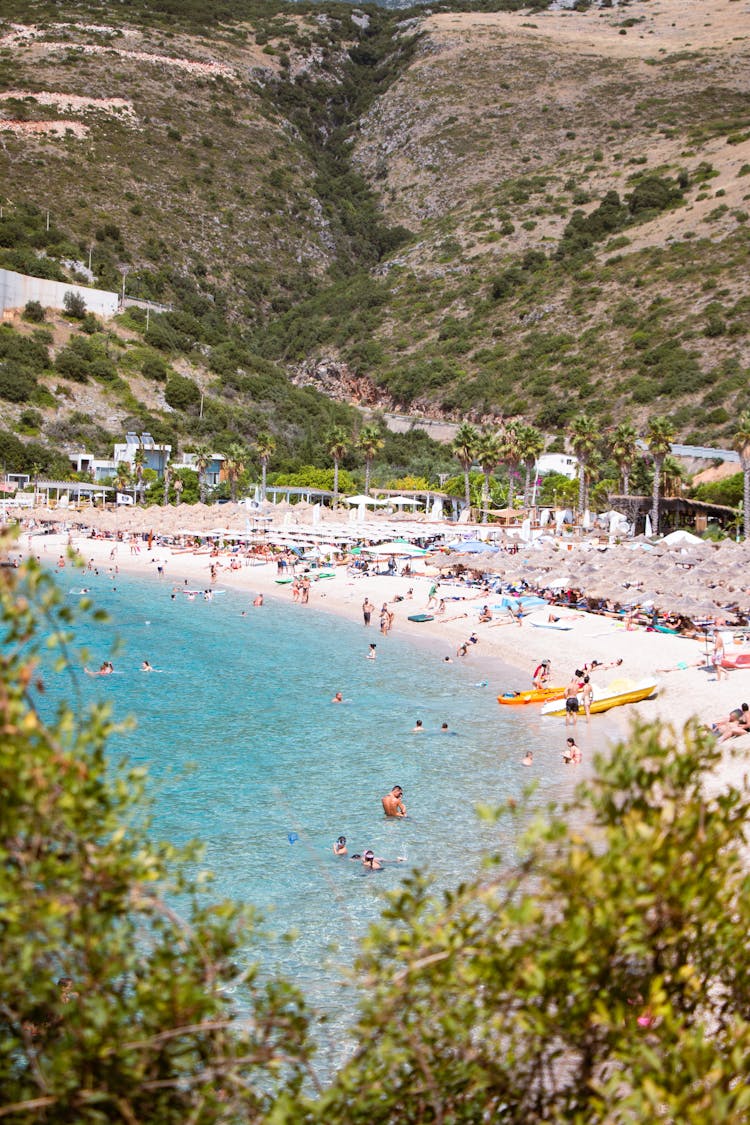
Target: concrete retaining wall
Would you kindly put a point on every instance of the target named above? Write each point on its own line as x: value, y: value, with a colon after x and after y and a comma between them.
x: 16, y: 289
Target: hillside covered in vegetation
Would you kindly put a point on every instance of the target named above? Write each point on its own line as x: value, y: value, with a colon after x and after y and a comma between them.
x: 517, y: 214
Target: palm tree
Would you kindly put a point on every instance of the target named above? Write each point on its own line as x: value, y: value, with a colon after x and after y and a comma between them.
x: 741, y: 443
x: 532, y: 446
x: 583, y: 432
x: 179, y: 484
x: 511, y: 455
x: 659, y: 437
x: 489, y: 450
x: 234, y: 465
x: 464, y: 450
x: 123, y: 477
x: 35, y: 471
x: 167, y: 479
x: 624, y: 450
x: 672, y: 477
x: 139, y: 460
x: 338, y: 446
x: 265, y: 446
x: 369, y: 442
x: 203, y: 458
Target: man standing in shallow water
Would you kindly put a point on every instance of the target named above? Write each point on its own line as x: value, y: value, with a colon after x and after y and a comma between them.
x: 393, y: 804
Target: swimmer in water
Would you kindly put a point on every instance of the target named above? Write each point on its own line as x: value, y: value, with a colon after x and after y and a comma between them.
x: 371, y: 862
x: 339, y: 846
x: 338, y: 698
x: 105, y: 669
x: 146, y: 667
x: 393, y: 802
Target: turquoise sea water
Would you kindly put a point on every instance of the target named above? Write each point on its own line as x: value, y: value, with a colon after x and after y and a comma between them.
x: 247, y: 702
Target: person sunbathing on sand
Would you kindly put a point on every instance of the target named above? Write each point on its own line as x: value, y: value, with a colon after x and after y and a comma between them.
x: 737, y: 723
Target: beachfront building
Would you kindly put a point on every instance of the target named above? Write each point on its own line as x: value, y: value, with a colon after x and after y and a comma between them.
x: 214, y: 472
x: 155, y: 456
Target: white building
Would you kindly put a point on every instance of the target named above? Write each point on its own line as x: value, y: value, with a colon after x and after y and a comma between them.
x: 155, y: 456
x: 562, y: 463
x: 213, y: 472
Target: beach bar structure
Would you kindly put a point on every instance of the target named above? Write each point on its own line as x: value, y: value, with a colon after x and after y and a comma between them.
x: 434, y: 501
x: 295, y: 494
x: 674, y: 512
x: 71, y: 493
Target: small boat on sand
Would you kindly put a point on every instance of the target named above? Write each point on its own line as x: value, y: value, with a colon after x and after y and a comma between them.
x: 614, y: 694
x: 534, y: 695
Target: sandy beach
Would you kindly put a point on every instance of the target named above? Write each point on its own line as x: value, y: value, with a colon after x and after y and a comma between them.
x: 688, y: 683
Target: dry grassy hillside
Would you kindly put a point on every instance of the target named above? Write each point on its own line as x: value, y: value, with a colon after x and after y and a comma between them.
x: 505, y: 125
x: 494, y: 96
x: 168, y: 137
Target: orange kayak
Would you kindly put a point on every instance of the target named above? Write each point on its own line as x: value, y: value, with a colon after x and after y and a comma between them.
x: 536, y: 695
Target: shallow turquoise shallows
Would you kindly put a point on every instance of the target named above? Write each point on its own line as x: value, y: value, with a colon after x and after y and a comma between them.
x: 279, y: 771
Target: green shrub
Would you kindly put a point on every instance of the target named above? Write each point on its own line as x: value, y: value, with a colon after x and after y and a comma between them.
x: 34, y: 312
x: 182, y: 393
x: 155, y: 367
x: 653, y: 193
x: 74, y: 305
x: 29, y: 421
x: 17, y: 384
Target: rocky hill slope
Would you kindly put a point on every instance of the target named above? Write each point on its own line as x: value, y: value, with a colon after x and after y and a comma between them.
x: 484, y: 214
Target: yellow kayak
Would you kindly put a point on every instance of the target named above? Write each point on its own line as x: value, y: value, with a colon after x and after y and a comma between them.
x: 535, y: 695
x: 615, y: 694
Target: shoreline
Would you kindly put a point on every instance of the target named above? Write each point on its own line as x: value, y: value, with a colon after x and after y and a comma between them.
x: 503, y: 652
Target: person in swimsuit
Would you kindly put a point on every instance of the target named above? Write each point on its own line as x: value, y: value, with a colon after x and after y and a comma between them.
x: 339, y: 846
x: 587, y: 693
x: 571, y: 701
x: 542, y: 675
x: 393, y: 802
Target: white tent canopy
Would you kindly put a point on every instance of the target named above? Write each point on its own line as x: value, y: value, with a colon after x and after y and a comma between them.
x: 678, y: 537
